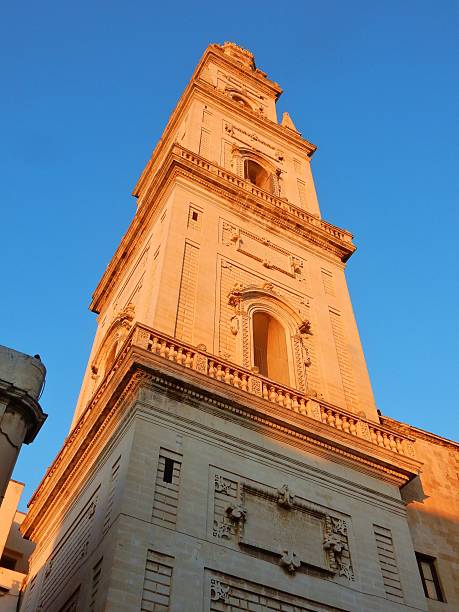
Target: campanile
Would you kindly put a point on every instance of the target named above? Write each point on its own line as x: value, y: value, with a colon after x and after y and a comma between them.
x: 226, y: 452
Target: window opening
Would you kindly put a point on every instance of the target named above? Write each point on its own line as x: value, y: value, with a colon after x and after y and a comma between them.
x: 429, y: 577
x: 257, y: 175
x: 270, y: 347
x: 168, y: 470
x: 241, y: 101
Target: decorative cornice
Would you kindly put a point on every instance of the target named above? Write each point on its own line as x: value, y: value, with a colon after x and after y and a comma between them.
x: 232, y: 189
x: 14, y: 399
x: 189, y: 376
x: 196, y: 82
x: 418, y: 434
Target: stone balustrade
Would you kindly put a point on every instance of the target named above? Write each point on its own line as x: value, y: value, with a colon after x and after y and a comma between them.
x: 280, y: 203
x: 247, y: 381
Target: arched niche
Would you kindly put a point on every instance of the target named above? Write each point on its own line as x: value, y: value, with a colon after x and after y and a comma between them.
x: 265, y: 322
x: 113, y: 340
x: 270, y: 352
x: 256, y: 169
x: 240, y: 98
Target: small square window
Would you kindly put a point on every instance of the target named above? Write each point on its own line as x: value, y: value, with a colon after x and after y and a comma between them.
x: 194, y: 218
x: 429, y: 577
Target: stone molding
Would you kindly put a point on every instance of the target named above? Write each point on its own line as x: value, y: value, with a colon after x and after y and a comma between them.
x: 137, y: 366
x: 235, y: 191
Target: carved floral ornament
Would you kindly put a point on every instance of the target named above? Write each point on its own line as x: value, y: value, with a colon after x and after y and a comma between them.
x: 237, y: 522
x: 219, y: 591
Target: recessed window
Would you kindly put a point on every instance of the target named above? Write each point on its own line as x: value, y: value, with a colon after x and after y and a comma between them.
x: 270, y: 347
x: 429, y: 577
x: 168, y: 470
x: 241, y: 101
x: 257, y: 175
x: 194, y: 218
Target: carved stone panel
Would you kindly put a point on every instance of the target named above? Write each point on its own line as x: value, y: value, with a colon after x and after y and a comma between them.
x: 224, y: 521
x: 262, y: 250
x: 285, y: 531
x: 274, y: 523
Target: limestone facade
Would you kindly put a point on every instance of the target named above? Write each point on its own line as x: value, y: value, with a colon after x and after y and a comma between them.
x: 14, y: 549
x: 226, y: 451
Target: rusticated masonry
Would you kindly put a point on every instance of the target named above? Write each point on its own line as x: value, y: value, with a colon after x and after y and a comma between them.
x: 167, y: 489
x: 204, y: 144
x: 157, y: 582
x: 96, y: 576
x: 229, y: 593
x: 111, y: 494
x: 344, y: 360
x: 187, y: 296
x: 68, y: 554
x: 327, y: 281
x: 388, y: 563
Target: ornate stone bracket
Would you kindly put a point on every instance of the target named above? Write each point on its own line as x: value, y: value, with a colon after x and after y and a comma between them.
x: 290, y: 561
x: 285, y: 498
x: 336, y: 544
x: 222, y: 484
x: 236, y: 512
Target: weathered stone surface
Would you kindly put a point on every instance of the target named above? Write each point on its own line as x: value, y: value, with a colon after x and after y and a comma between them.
x: 226, y: 451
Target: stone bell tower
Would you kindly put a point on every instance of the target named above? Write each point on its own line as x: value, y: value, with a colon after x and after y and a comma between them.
x: 226, y: 452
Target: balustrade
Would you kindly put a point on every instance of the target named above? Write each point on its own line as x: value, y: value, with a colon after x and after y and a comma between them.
x: 264, y: 195
x: 189, y: 357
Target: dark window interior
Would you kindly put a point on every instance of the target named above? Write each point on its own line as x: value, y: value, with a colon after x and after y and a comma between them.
x: 8, y: 562
x: 168, y: 469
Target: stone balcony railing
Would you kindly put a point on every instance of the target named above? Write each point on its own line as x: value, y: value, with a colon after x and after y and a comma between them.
x: 290, y: 399
x: 280, y: 203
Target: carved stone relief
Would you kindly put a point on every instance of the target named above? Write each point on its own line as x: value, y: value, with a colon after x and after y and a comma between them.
x: 231, y: 593
x: 234, y: 323
x: 262, y: 250
x: 285, y: 528
x: 228, y: 511
x: 219, y: 591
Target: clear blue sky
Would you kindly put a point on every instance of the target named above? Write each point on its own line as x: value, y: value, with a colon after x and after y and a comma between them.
x: 87, y: 90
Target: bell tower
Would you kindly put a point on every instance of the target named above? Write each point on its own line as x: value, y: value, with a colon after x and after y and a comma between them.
x: 228, y: 241
x: 226, y: 451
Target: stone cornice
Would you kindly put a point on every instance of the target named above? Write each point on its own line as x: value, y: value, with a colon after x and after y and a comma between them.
x: 418, y: 434
x: 242, y: 195
x: 198, y: 84
x: 20, y: 401
x: 256, y: 119
x: 136, y: 367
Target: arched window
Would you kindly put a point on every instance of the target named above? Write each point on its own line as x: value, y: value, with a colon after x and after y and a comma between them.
x: 241, y: 101
x: 257, y: 175
x: 270, y: 347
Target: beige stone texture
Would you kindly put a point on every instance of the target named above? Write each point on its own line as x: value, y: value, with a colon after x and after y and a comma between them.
x: 196, y: 478
x: 433, y: 513
x: 14, y: 549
